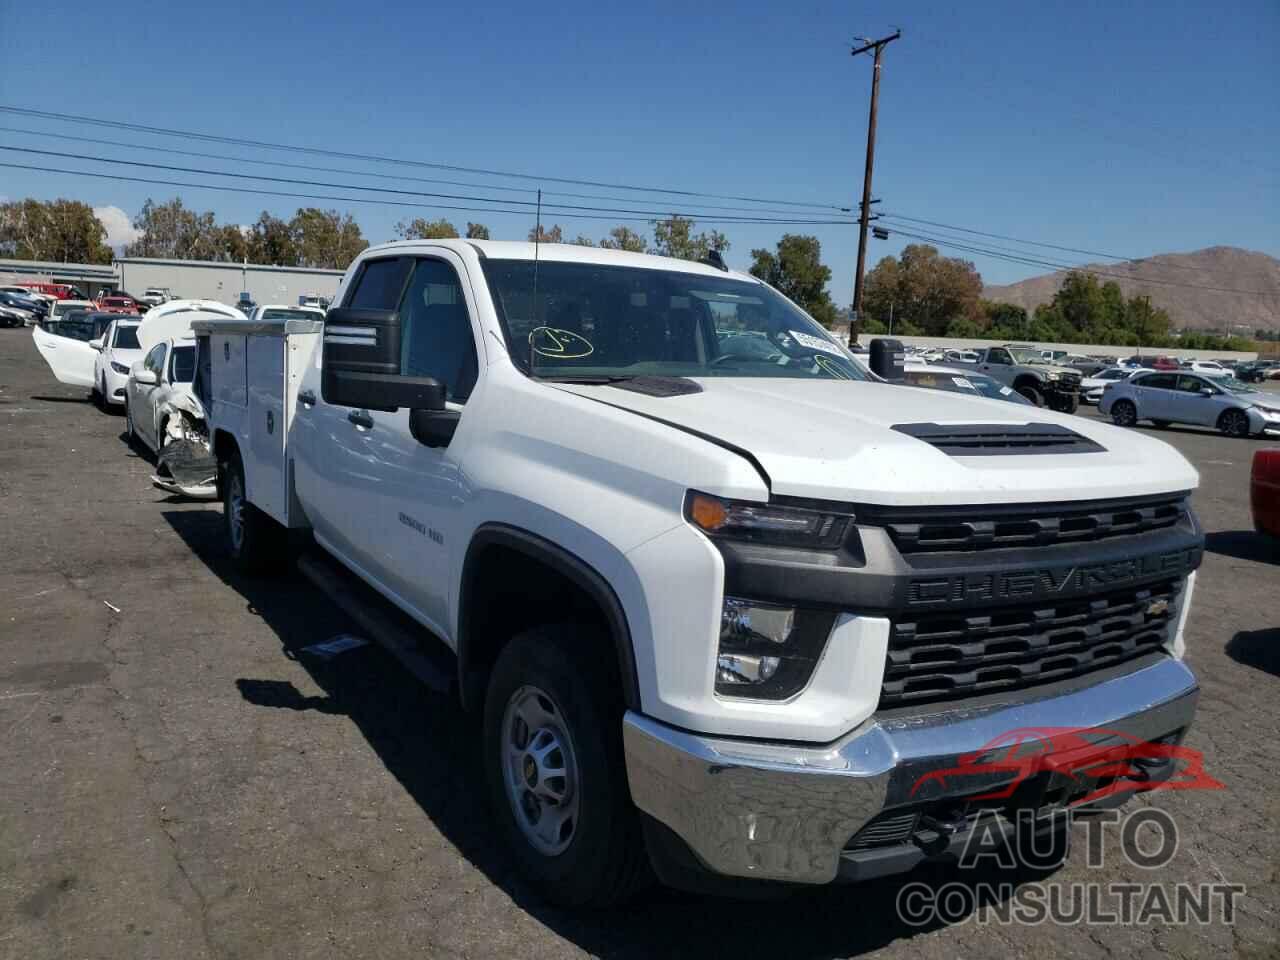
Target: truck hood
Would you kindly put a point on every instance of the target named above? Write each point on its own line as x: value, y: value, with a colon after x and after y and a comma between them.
x: 834, y: 440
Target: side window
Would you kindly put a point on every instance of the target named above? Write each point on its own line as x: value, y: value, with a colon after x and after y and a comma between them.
x: 998, y: 356
x: 1160, y: 381
x: 378, y: 284
x: 1191, y: 384
x: 437, y: 340
x: 155, y: 359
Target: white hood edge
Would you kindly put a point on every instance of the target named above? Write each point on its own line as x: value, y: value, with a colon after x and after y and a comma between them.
x: 833, y: 440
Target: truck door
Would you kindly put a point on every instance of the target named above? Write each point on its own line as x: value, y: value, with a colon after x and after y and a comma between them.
x: 338, y: 468
x: 996, y: 363
x: 423, y: 488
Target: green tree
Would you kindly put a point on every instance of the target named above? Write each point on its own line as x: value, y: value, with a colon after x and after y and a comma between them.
x: 925, y: 290
x: 271, y: 241
x: 172, y: 230
x: 674, y: 237
x: 231, y: 244
x: 796, y: 271
x: 543, y: 235
x: 624, y: 238
x: 422, y: 229
x: 325, y: 238
x: 62, y: 230
x: 582, y: 240
x: 477, y: 231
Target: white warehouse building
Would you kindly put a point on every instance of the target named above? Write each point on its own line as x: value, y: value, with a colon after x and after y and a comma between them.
x: 204, y: 280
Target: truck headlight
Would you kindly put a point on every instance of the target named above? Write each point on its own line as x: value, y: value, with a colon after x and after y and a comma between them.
x: 768, y: 651
x: 765, y: 522
x: 1051, y: 375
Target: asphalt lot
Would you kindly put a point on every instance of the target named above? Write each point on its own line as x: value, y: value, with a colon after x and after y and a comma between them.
x: 178, y: 780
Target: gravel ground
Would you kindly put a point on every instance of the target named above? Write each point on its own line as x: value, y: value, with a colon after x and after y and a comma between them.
x: 176, y: 780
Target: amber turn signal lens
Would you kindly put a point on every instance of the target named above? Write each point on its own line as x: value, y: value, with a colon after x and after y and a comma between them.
x: 708, y: 512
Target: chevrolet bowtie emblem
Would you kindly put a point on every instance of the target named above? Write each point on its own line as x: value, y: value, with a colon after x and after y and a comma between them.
x: 1157, y: 607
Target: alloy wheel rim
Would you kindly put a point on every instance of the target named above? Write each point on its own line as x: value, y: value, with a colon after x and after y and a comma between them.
x: 540, y: 771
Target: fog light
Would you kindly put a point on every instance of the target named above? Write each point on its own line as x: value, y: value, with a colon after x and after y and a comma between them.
x: 767, y: 651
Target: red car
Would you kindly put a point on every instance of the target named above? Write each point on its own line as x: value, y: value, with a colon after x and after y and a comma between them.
x: 1264, y: 492
x: 1165, y: 363
x: 117, y: 304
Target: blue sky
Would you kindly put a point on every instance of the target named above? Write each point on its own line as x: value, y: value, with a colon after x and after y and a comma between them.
x: 1125, y: 128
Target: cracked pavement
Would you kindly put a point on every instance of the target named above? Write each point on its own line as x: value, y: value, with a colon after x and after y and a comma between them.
x: 178, y: 780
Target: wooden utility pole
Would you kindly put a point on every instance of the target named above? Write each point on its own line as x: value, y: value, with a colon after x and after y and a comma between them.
x: 864, y: 220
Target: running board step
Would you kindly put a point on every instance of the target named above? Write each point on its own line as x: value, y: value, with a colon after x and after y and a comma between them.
x: 419, y: 651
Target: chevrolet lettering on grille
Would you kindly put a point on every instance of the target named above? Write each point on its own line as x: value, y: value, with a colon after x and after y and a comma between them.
x: 1047, y: 582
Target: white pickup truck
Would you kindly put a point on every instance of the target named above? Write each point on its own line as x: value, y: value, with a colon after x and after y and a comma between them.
x: 732, y: 607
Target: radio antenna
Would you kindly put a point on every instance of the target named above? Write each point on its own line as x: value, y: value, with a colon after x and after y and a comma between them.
x: 533, y: 304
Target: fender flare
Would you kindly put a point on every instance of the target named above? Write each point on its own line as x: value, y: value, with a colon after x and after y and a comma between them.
x: 574, y: 569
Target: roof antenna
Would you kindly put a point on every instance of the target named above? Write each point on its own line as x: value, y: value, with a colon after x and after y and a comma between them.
x: 533, y: 303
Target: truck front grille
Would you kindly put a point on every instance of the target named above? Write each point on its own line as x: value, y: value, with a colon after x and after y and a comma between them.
x: 946, y: 656
x: 940, y: 530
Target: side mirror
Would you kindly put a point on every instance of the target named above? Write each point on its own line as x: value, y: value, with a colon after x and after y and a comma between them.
x: 96, y: 344
x: 887, y: 358
x: 141, y: 374
x: 361, y: 361
x: 1208, y: 392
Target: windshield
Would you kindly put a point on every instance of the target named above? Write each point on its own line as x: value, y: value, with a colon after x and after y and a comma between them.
x: 1026, y: 356
x: 1234, y: 385
x: 972, y: 384
x: 127, y: 338
x: 595, y: 321
x: 290, y: 314
x: 182, y: 366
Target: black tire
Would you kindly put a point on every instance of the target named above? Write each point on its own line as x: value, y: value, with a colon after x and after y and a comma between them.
x: 1161, y: 423
x: 130, y: 436
x: 1065, y: 404
x: 604, y: 861
x: 1234, y: 423
x: 1124, y: 413
x: 254, y: 540
x: 1032, y: 393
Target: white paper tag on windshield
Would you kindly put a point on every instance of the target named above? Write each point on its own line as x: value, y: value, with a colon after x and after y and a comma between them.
x: 815, y: 343
x: 962, y: 382
x: 1005, y: 391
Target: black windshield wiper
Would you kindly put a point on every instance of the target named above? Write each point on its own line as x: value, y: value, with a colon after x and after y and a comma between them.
x: 589, y: 379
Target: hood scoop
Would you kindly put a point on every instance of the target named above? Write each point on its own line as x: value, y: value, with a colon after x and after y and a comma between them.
x: 999, y: 439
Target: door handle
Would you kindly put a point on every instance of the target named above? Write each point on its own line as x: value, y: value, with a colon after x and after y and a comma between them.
x: 307, y: 398
x: 361, y: 418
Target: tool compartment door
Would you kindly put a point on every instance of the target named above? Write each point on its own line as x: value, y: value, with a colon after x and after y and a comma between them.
x: 265, y: 477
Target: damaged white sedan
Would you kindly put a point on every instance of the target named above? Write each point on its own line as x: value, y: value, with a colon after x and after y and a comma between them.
x: 162, y: 411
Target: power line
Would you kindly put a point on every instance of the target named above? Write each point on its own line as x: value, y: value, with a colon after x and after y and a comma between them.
x: 566, y: 210
x: 366, y: 200
x: 1032, y: 243
x: 480, y: 171
x: 1032, y: 261
x: 205, y: 155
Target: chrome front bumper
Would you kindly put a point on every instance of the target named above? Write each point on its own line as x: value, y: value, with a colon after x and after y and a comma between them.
x: 785, y: 812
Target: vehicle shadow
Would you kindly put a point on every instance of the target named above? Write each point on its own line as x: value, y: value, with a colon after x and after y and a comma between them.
x: 431, y: 747
x: 1259, y: 649
x: 1243, y: 545
x: 45, y: 398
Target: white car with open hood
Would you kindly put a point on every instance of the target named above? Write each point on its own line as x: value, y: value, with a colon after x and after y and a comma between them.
x: 720, y: 607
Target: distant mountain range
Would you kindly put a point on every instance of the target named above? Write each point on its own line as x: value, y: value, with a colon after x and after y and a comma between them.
x: 1191, y: 306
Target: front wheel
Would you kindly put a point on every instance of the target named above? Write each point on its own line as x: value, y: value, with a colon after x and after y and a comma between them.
x: 1034, y: 394
x: 1234, y: 423
x: 554, y: 762
x: 1124, y: 413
